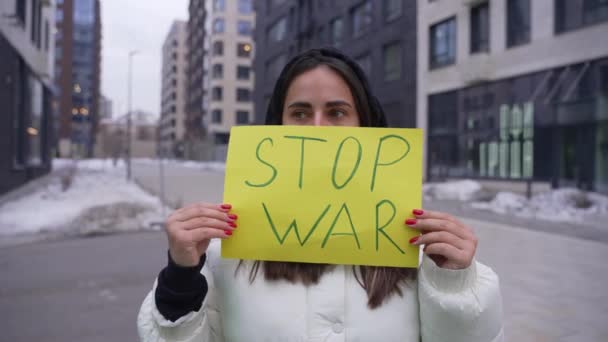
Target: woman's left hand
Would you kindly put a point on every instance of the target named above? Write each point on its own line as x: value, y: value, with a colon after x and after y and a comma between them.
x: 450, y: 243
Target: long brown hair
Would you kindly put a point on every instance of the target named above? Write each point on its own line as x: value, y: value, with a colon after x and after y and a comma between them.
x: 380, y: 283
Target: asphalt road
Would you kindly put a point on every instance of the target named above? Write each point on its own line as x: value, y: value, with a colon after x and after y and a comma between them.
x: 79, y: 289
x: 90, y: 289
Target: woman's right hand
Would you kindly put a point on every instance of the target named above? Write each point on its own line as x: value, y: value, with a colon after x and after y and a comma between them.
x: 190, y: 229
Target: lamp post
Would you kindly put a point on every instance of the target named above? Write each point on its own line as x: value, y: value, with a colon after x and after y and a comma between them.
x: 129, y: 123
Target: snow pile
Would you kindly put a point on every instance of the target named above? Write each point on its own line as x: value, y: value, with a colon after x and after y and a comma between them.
x: 561, y: 205
x: 462, y: 190
x: 88, y: 197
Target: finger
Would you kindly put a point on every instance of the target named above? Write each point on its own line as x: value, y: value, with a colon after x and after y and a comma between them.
x: 446, y: 250
x: 440, y: 237
x: 436, y: 225
x: 426, y: 214
x: 207, y: 222
x: 200, y: 210
x: 201, y: 234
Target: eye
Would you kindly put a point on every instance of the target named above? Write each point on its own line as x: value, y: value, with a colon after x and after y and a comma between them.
x: 298, y: 114
x: 338, y: 113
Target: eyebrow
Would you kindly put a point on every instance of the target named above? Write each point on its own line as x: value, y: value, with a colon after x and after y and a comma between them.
x: 328, y: 104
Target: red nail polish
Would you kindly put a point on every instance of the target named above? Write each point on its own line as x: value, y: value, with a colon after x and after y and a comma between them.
x: 228, y: 232
x: 410, y: 222
x: 418, y: 212
x: 225, y: 206
x: 232, y: 216
x: 414, y: 239
x: 232, y: 224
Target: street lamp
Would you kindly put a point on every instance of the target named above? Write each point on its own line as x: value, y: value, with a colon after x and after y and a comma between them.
x: 129, y: 124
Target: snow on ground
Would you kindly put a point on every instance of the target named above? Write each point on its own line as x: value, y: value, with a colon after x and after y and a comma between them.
x: 98, y: 200
x: 560, y: 205
x: 203, y: 166
x: 461, y: 190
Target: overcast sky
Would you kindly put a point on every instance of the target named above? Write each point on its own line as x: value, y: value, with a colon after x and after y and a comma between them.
x: 136, y: 25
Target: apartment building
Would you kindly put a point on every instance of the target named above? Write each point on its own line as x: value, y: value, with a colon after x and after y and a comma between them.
x: 379, y: 34
x: 173, y: 92
x: 515, y: 90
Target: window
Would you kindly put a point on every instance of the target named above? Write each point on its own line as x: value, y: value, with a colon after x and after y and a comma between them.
x: 518, y: 22
x: 274, y: 67
x: 243, y: 50
x: 58, y: 13
x: 365, y: 62
x: 321, y: 35
x: 219, y: 25
x: 219, y: 5
x: 242, y: 117
x: 35, y: 21
x: 392, y: 62
x: 244, y: 27
x: 20, y: 10
x: 217, y: 94
x: 443, y: 43
x: 34, y: 131
x: 242, y: 72
x: 278, y: 30
x: 218, y: 71
x: 480, y: 28
x: 336, y: 31
x: 574, y: 14
x: 245, y: 7
x: 362, y: 18
x: 46, y: 35
x: 243, y: 95
x: 274, y: 3
x: 392, y: 9
x: 218, y: 48
x: 216, y: 116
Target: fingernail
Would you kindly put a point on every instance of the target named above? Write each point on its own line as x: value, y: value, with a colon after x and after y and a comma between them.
x: 414, y: 239
x: 225, y: 206
x: 228, y: 232
x: 232, y: 216
x: 410, y: 222
x: 418, y: 212
x: 232, y: 224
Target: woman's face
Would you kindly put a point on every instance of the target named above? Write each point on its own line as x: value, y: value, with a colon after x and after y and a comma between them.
x: 319, y: 97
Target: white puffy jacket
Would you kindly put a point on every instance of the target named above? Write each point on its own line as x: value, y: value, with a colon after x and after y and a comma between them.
x: 445, y: 305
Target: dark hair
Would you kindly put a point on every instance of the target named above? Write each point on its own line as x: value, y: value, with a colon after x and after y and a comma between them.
x: 367, y: 105
x: 378, y: 282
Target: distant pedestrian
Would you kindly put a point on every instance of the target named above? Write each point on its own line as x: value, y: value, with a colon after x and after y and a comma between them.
x: 199, y: 296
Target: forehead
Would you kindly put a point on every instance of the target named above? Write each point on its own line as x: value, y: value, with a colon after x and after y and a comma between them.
x: 319, y: 84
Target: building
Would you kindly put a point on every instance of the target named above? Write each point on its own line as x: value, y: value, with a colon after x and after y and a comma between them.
x: 111, y: 136
x: 26, y: 69
x: 173, y: 92
x: 228, y: 85
x: 196, y: 132
x: 515, y: 90
x: 105, y: 108
x: 379, y: 34
x: 77, y: 75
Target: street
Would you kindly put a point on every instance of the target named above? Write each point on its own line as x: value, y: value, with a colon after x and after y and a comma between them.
x: 553, y: 285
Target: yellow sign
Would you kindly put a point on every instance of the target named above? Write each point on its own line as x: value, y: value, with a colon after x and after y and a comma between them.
x: 336, y: 195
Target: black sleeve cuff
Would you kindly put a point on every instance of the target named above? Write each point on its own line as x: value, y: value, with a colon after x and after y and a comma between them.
x: 180, y: 290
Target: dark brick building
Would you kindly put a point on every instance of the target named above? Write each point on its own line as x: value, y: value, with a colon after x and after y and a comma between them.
x: 379, y: 34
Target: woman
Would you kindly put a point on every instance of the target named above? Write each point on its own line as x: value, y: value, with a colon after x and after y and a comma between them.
x: 201, y: 297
